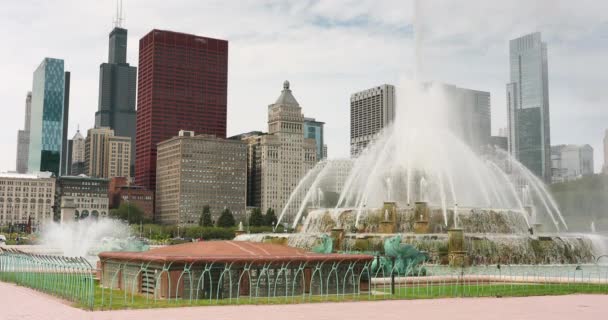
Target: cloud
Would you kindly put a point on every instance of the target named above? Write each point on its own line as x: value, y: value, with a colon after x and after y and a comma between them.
x: 327, y: 49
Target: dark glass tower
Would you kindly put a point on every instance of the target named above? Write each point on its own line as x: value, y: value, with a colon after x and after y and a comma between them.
x: 117, y: 87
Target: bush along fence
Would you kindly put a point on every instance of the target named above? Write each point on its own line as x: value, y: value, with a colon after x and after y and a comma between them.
x: 132, y: 284
x: 64, y: 277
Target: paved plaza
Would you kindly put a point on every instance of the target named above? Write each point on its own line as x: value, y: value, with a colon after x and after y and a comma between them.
x: 18, y: 303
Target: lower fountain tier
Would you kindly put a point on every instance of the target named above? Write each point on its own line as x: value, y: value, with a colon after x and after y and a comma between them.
x: 480, y: 248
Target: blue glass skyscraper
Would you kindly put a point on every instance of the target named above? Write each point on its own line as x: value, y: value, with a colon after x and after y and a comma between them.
x: 47, y: 117
x: 528, y: 105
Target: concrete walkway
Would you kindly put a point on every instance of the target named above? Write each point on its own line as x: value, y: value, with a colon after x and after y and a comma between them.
x: 19, y: 303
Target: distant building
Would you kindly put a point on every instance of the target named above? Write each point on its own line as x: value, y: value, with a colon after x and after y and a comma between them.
x: 528, y: 105
x: 194, y: 171
x: 277, y: 161
x: 120, y: 191
x: 183, y: 85
x: 26, y: 198
x: 23, y: 137
x: 500, y: 142
x: 571, y: 162
x: 117, y: 88
x: 469, y: 114
x: 313, y: 129
x: 106, y: 155
x: 371, y: 111
x: 48, y: 137
x: 78, y: 154
x: 605, y: 167
x: 88, y: 195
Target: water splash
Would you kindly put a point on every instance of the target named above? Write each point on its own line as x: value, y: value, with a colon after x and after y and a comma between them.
x: 84, y: 237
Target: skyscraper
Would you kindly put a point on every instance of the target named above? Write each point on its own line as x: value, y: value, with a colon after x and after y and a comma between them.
x: 117, y: 86
x: 370, y: 111
x: 313, y: 129
x: 23, y: 137
x: 47, y: 120
x: 528, y: 105
x: 183, y: 83
x: 278, y: 160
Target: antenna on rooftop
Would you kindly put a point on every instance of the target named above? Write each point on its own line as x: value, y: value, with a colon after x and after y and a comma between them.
x: 119, y: 18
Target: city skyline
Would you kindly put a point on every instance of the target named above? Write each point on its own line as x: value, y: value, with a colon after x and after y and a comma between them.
x: 325, y: 80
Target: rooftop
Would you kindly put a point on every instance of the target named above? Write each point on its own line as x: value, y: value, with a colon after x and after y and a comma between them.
x: 15, y: 175
x: 228, y: 251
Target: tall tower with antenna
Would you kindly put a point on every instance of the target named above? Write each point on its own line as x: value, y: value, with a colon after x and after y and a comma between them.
x: 117, y: 86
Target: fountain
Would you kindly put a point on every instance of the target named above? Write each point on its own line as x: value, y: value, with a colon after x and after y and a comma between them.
x: 85, y: 238
x: 497, y: 209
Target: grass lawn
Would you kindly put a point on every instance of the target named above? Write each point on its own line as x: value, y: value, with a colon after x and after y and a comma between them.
x: 117, y: 299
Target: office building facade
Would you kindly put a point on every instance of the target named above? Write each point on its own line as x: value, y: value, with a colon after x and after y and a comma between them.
x: 117, y: 90
x: 371, y: 111
x: 89, y: 196
x: 183, y: 81
x: 528, y: 105
x: 26, y: 199
x: 106, y: 155
x: 195, y: 171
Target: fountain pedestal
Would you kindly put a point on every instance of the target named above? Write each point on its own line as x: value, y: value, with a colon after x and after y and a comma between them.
x: 421, y: 212
x: 457, y: 255
x: 537, y: 227
x: 337, y: 235
x: 389, y: 212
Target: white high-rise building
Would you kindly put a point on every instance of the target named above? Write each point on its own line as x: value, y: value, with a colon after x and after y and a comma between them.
x: 370, y: 111
x: 23, y: 137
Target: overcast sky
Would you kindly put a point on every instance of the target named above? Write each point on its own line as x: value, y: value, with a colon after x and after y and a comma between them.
x: 326, y: 49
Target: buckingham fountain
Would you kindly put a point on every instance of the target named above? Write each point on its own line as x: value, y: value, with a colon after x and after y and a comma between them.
x: 421, y: 184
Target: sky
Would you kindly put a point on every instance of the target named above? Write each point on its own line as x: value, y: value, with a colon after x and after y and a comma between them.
x: 327, y: 50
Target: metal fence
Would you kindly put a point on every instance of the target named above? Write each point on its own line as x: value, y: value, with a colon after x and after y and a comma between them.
x: 127, y: 284
x: 64, y: 277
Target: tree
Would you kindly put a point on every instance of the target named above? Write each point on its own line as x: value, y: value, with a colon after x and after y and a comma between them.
x: 226, y: 219
x: 256, y: 219
x: 128, y: 212
x: 270, y: 219
x: 205, y: 219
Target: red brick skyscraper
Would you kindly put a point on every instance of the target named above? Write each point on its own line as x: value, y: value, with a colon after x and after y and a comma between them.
x: 183, y: 81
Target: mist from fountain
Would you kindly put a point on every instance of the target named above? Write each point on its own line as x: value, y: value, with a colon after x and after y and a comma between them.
x: 83, y: 238
x: 423, y: 144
